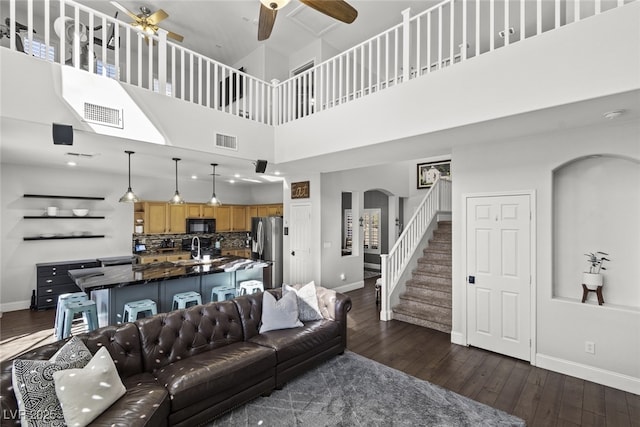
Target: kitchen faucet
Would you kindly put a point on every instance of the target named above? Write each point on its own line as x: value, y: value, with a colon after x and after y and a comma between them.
x: 196, y: 238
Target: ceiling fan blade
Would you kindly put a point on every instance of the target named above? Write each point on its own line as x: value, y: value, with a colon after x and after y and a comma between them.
x: 157, y: 16
x: 127, y: 11
x: 265, y: 22
x: 337, y: 9
x: 175, y: 36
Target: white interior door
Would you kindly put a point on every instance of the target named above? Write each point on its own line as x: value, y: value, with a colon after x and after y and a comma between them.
x: 499, y: 274
x: 301, y: 271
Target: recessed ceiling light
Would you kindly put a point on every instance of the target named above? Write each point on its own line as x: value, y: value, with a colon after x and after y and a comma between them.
x: 71, y: 163
x: 237, y: 175
x: 277, y: 172
x: 232, y: 181
x: 194, y: 176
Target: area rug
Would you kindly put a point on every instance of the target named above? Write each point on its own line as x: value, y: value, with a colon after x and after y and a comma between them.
x: 351, y: 390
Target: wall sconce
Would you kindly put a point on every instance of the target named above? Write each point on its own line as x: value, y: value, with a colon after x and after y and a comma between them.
x: 361, y: 221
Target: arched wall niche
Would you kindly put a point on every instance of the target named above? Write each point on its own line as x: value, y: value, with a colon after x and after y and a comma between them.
x: 596, y: 207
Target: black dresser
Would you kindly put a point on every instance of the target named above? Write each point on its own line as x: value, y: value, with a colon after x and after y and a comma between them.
x: 53, y: 280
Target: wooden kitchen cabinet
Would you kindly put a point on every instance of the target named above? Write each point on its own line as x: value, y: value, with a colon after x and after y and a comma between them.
x: 223, y: 218
x: 275, y: 210
x: 238, y: 218
x: 208, y: 211
x: 179, y: 257
x: 262, y: 210
x: 155, y: 217
x: 177, y: 218
x: 194, y: 210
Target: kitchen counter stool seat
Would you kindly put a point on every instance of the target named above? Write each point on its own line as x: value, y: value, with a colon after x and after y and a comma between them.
x: 63, y: 299
x: 251, y: 287
x: 186, y: 299
x: 223, y: 293
x: 88, y: 310
x: 133, y: 308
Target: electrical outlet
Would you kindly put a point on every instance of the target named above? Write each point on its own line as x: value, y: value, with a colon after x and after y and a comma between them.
x: 590, y: 347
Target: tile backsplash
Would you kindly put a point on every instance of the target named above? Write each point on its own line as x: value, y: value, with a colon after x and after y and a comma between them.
x: 153, y: 242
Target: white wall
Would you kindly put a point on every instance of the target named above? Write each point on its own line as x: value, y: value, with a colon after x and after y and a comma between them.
x: 18, y: 275
x: 596, y: 207
x: 562, y: 325
x: 599, y: 56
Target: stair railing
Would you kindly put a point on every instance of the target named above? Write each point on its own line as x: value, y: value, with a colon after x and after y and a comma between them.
x: 437, y: 199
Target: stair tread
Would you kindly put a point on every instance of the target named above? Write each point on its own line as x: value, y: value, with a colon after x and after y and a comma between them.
x: 421, y: 315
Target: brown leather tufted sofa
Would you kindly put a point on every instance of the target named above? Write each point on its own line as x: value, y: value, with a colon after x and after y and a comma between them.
x: 186, y: 367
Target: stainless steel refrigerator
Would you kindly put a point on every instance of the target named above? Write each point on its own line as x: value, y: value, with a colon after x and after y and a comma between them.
x: 266, y: 245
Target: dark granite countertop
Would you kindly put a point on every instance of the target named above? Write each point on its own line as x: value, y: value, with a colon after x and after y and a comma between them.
x: 89, y: 279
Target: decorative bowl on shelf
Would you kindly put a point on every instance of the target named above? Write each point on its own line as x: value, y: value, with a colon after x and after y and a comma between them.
x: 80, y: 212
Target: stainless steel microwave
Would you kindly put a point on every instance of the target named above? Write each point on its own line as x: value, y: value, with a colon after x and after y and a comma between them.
x: 201, y: 225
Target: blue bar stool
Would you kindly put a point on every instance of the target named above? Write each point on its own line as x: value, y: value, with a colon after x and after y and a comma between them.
x: 186, y: 299
x: 251, y: 287
x: 88, y: 310
x: 222, y: 293
x: 63, y: 299
x: 133, y: 308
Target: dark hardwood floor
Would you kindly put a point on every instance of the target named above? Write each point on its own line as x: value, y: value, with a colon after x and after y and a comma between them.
x: 540, y: 397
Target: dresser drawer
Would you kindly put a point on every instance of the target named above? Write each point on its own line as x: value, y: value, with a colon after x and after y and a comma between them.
x: 62, y: 279
x: 57, y: 290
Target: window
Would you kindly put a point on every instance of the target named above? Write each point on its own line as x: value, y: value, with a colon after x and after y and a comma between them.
x: 348, y: 229
x: 112, y: 72
x: 39, y: 50
x: 371, y: 230
x: 156, y: 87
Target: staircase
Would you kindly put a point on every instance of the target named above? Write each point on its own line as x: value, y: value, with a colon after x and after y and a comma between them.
x: 427, y: 297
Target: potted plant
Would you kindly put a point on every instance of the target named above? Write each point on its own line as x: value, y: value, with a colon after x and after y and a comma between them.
x: 592, y: 279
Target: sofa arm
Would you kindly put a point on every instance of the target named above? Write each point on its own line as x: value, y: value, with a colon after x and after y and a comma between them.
x: 333, y: 305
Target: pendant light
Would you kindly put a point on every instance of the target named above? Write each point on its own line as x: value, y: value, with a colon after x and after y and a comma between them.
x: 129, y: 196
x: 177, y: 198
x: 214, y: 201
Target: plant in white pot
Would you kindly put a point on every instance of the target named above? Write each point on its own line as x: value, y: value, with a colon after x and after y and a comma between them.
x: 592, y: 279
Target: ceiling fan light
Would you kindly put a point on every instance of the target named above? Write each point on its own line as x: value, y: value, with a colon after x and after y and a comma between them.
x: 275, y: 4
x: 149, y: 30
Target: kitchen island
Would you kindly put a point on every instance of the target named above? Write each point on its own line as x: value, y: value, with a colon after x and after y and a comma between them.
x: 112, y: 287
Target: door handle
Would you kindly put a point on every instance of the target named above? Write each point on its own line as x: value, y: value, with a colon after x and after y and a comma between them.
x: 472, y: 280
x: 293, y: 253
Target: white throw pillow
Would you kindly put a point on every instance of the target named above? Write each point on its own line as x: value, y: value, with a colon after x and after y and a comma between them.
x: 86, y: 393
x: 282, y: 314
x: 34, y: 387
x: 308, y: 309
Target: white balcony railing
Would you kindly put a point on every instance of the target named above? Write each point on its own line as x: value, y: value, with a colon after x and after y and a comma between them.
x: 437, y: 200
x: 450, y: 32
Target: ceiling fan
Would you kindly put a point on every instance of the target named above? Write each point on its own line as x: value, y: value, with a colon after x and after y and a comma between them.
x: 337, y: 9
x: 148, y: 21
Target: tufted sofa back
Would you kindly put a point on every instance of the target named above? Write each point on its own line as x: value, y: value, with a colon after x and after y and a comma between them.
x: 250, y: 309
x: 123, y: 344
x: 179, y: 334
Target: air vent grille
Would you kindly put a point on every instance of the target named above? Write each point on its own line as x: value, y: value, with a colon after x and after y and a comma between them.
x: 103, y: 115
x: 226, y: 141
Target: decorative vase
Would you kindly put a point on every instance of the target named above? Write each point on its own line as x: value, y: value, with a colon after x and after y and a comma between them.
x: 592, y: 280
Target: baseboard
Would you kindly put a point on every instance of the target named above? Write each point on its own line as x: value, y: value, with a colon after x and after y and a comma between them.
x: 14, y: 306
x: 350, y: 287
x: 589, y: 373
x: 458, y: 338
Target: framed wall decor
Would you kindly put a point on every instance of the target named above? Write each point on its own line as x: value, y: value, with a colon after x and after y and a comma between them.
x: 430, y: 171
x: 300, y: 190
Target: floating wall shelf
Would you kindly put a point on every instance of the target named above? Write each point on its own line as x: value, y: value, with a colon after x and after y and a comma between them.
x: 91, y: 236
x: 61, y: 217
x: 45, y: 196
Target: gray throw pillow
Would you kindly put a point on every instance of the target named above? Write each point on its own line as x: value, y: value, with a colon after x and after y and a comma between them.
x: 282, y: 314
x: 34, y: 387
x: 307, y: 301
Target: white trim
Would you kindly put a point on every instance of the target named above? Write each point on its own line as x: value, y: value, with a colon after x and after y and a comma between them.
x: 533, y: 266
x: 458, y: 338
x: 14, y: 306
x: 590, y: 373
x: 349, y: 287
